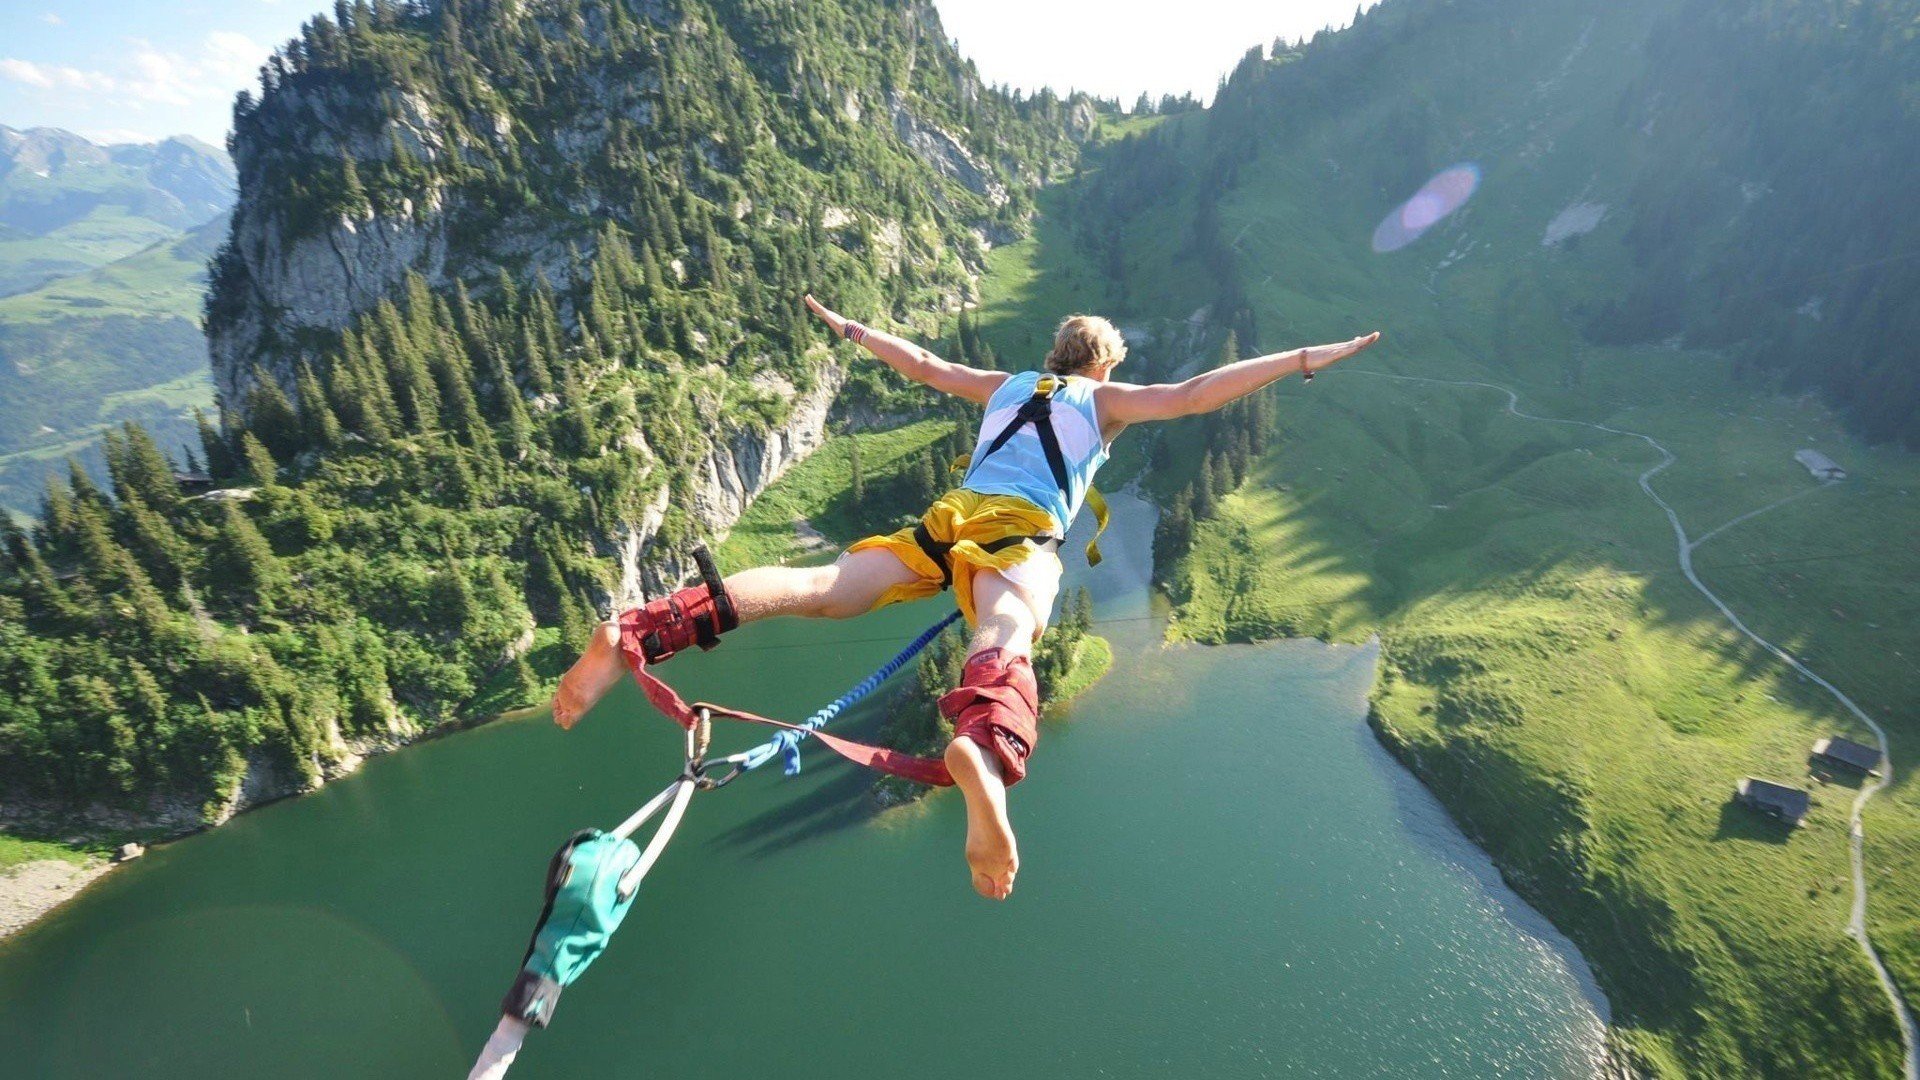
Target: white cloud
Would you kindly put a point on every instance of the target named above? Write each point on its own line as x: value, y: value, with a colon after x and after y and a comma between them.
x: 152, y: 76
x: 53, y: 20
x: 25, y: 71
x: 159, y: 78
x: 232, y: 57
x: 49, y: 76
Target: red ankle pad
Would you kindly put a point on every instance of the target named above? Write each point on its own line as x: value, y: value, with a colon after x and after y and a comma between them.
x: 997, y: 705
x: 696, y: 615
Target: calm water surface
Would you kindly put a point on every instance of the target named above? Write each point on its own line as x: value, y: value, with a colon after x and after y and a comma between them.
x: 1223, y: 876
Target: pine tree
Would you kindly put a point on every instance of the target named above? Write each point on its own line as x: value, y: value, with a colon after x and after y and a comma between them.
x: 318, y: 425
x: 259, y: 469
x: 926, y: 480
x: 533, y: 359
x: 47, y: 605
x: 362, y: 390
x: 221, y: 460
x: 272, y: 417
x: 85, y: 491
x: 241, y: 564
x: 716, y: 258
x: 515, y: 428
x: 57, y: 520
x: 154, y: 542
x: 576, y: 416
x: 112, y: 570
x: 353, y: 196
x: 139, y: 469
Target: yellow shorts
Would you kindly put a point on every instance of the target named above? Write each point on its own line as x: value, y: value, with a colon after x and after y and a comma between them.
x: 968, y: 519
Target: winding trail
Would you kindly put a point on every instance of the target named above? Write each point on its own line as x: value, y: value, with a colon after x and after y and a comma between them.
x: 1857, y: 923
x: 1751, y: 514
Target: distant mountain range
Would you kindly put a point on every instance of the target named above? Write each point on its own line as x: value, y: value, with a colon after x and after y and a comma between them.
x: 69, y: 205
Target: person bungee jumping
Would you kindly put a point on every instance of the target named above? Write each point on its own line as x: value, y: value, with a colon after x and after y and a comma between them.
x: 994, y: 540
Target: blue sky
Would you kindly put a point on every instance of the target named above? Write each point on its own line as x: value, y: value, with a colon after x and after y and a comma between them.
x: 139, y: 70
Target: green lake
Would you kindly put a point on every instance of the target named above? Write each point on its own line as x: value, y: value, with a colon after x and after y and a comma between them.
x: 1223, y: 875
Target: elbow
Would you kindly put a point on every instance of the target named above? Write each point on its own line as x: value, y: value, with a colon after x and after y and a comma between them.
x: 1196, y: 402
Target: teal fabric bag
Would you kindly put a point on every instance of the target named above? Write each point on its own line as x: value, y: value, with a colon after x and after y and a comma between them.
x: 584, y: 908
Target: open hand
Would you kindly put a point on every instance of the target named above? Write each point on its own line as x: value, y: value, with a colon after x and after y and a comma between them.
x: 1315, y: 357
x: 827, y: 315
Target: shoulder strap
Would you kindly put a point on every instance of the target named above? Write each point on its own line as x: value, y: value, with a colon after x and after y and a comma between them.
x: 1038, y: 411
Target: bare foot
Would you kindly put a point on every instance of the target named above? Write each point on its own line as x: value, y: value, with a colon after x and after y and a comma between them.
x: 590, y: 677
x: 991, y: 852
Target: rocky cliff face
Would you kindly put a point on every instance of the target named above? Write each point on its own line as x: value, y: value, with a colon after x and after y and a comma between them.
x: 304, y: 260
x: 293, y: 281
x: 725, y: 483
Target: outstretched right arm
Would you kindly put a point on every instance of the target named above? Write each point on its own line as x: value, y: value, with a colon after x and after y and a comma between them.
x: 913, y: 361
x: 1127, y: 403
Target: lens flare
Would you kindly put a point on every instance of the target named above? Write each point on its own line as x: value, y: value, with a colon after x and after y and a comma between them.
x: 1448, y: 191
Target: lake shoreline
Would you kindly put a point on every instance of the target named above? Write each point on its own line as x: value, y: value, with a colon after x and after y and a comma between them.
x: 30, y: 891
x: 33, y: 890
x: 1618, y: 1061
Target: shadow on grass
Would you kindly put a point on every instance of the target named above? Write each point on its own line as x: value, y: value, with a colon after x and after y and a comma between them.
x: 1741, y: 822
x: 1835, y: 775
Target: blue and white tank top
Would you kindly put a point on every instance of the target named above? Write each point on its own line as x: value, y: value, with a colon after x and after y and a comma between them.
x: 1020, y: 467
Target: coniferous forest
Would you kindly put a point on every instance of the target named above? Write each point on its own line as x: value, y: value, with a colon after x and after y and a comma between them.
x: 400, y: 500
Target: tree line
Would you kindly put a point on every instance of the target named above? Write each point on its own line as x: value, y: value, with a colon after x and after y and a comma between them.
x: 398, y: 506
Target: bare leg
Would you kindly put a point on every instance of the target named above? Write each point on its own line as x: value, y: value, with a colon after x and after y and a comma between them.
x: 1008, y: 619
x: 848, y: 586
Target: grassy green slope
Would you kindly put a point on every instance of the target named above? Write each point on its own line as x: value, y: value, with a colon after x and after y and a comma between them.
x: 120, y: 342
x: 1577, y: 705
x: 105, y: 234
x: 27, y: 261
x: 818, y: 492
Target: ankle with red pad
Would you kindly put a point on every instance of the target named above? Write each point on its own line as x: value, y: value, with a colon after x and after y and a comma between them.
x: 696, y: 615
x: 997, y: 705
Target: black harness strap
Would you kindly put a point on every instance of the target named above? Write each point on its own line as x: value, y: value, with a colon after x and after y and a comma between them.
x: 1038, y: 411
x: 706, y: 633
x: 941, y: 553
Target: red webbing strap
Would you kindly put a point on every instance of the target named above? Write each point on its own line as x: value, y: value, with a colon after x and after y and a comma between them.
x: 892, y: 762
x: 671, y: 704
x: 878, y: 758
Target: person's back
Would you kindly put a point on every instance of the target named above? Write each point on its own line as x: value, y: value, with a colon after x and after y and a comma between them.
x: 1020, y: 466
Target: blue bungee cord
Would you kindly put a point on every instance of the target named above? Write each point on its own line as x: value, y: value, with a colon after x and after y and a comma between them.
x: 787, y: 743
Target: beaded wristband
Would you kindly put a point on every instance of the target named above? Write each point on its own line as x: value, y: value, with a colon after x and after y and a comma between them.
x: 853, y: 331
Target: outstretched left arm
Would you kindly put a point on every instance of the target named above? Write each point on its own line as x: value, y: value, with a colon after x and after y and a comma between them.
x: 1125, y: 403
x: 913, y: 361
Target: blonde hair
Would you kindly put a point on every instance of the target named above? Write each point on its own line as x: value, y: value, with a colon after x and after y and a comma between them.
x: 1084, y: 342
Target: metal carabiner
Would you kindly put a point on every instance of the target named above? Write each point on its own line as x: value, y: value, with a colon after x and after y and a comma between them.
x: 708, y: 783
x: 699, y: 736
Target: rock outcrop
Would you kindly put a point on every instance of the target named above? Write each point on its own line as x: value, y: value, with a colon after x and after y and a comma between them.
x: 944, y: 152
x: 725, y: 483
